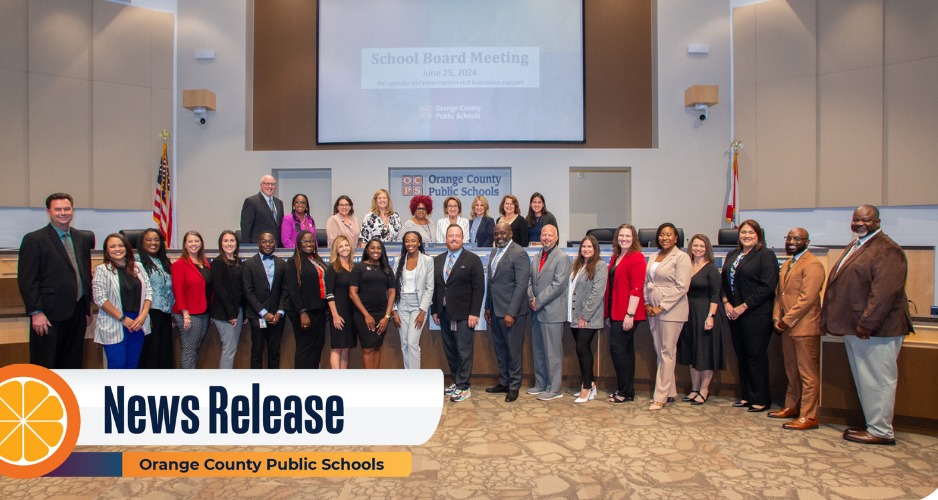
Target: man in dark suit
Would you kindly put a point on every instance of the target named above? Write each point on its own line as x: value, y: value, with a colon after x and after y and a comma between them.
x: 508, y: 275
x: 265, y: 299
x: 457, y: 301
x: 54, y: 277
x: 866, y: 302
x: 795, y: 317
x: 262, y: 212
x: 547, y: 291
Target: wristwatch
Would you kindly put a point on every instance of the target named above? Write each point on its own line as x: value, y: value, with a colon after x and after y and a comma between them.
x: 387, y: 316
x: 710, y: 315
x: 631, y: 315
x: 123, y: 317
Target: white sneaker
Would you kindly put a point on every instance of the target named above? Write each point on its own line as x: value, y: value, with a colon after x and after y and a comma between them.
x: 449, y: 390
x: 460, y: 395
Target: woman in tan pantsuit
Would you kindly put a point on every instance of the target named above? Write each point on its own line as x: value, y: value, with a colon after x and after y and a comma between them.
x: 667, y: 278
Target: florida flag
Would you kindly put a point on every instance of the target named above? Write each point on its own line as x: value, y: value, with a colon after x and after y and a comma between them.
x: 163, y: 204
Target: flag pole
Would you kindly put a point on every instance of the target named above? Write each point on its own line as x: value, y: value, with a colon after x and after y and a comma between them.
x: 732, y: 208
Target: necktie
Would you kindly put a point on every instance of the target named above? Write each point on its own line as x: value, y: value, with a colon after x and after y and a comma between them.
x: 543, y: 259
x: 498, y: 255
x: 273, y: 210
x: 449, y: 267
x: 70, y: 250
x: 856, y: 244
x: 791, y: 264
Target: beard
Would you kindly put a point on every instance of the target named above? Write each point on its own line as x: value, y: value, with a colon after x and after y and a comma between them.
x: 795, y: 249
x: 860, y: 231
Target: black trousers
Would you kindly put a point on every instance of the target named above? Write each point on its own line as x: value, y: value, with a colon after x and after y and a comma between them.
x: 158, y: 345
x: 309, y: 342
x: 622, y: 352
x: 458, y: 347
x: 270, y: 336
x: 63, y: 344
x: 584, y: 341
x: 509, y: 350
x: 751, y: 335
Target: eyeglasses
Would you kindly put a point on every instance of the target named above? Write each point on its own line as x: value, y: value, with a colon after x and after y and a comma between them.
x: 420, y: 209
x: 795, y: 239
x: 307, y: 242
x: 299, y: 203
x: 270, y: 184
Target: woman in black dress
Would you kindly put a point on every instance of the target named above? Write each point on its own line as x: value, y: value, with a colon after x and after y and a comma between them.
x: 750, y: 275
x: 343, y: 337
x: 305, y: 283
x: 700, y: 345
x: 372, y: 288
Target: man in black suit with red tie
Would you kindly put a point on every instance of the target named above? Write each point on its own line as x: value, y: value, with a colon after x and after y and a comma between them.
x: 262, y: 213
x: 54, y: 277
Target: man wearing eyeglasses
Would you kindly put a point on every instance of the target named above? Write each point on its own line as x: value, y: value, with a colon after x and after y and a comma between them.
x: 796, y: 318
x: 262, y: 213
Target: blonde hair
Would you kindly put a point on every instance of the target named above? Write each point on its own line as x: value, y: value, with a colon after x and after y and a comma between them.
x: 334, y: 260
x: 374, y: 202
x: 472, y: 210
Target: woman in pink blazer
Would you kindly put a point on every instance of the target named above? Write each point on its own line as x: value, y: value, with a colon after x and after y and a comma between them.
x: 667, y: 278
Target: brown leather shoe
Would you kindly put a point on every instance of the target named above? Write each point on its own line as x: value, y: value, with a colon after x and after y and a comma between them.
x: 785, y: 412
x: 854, y: 430
x: 801, y: 424
x: 866, y: 438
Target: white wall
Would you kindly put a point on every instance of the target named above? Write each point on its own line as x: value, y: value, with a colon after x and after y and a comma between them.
x: 684, y: 180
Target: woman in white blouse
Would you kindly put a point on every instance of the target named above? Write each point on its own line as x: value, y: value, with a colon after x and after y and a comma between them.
x: 121, y: 289
x: 453, y: 209
x: 415, y: 279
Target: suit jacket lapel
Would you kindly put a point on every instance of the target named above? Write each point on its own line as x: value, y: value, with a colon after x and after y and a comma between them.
x: 847, y: 260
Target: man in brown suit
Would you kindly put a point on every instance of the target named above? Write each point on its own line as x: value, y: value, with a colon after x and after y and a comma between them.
x: 796, y: 318
x: 866, y: 303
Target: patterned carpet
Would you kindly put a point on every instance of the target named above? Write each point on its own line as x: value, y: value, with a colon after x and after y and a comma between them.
x: 486, y: 448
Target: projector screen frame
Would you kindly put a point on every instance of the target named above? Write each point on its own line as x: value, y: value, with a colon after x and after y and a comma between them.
x: 454, y: 142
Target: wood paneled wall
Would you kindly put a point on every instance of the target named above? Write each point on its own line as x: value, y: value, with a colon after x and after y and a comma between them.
x: 85, y: 86
x: 618, y: 57
x: 835, y: 103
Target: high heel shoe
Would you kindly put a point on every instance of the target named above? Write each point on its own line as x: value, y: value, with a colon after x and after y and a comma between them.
x: 592, y: 394
x: 696, y: 402
x: 655, y: 406
x: 690, y: 397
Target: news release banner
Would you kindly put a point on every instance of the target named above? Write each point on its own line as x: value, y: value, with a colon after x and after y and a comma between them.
x: 256, y: 407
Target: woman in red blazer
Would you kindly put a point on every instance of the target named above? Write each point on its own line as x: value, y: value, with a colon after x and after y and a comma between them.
x: 625, y: 308
x: 192, y: 286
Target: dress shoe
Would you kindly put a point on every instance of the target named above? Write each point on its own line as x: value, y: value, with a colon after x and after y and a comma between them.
x: 511, y: 396
x: 853, y: 430
x: 498, y: 388
x: 785, y: 412
x: 753, y: 409
x: 802, y: 424
x: 741, y: 404
x: 866, y: 438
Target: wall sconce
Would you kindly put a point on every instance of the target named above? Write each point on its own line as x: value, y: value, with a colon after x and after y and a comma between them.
x: 701, y: 97
x: 199, y: 101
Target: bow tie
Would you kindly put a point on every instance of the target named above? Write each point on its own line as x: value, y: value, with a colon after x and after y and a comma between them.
x: 267, y: 257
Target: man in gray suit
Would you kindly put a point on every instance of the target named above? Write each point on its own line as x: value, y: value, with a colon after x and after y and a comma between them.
x: 550, y: 278
x: 508, y: 276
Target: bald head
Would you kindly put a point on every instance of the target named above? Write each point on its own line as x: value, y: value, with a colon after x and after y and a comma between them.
x: 796, y: 241
x: 503, y: 234
x: 865, y: 220
x: 268, y: 184
x: 549, y: 236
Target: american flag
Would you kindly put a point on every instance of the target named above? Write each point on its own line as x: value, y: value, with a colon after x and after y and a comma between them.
x: 163, y: 204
